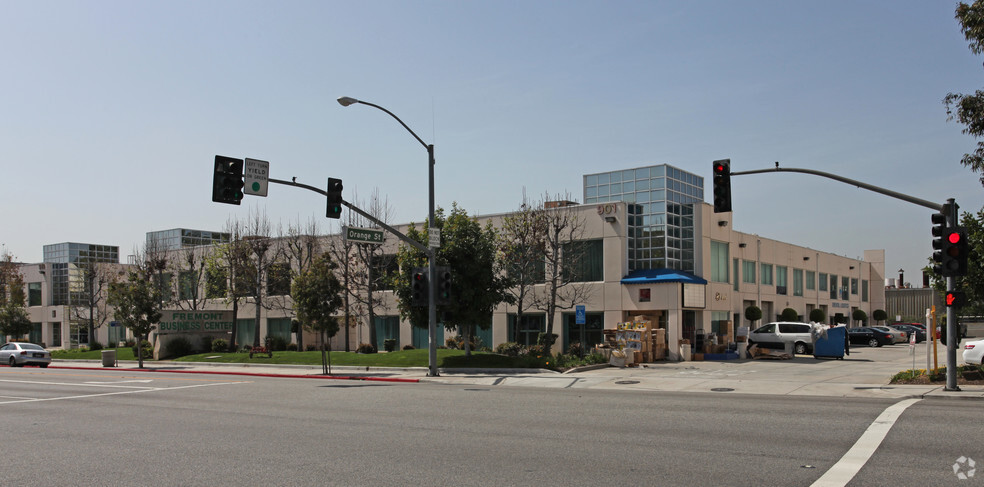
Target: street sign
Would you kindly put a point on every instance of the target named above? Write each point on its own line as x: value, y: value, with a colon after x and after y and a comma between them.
x: 255, y: 177
x: 433, y: 237
x: 364, y: 235
x: 579, y: 314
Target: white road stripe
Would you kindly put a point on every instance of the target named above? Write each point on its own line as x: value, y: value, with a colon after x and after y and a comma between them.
x: 850, y: 464
x: 117, y: 393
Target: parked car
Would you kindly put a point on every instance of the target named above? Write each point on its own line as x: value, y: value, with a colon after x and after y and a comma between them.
x: 911, y: 330
x: 869, y: 336
x: 18, y: 354
x: 898, y: 336
x: 777, y: 335
x: 973, y: 351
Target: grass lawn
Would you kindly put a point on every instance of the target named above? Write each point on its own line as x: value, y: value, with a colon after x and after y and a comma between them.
x: 402, y: 358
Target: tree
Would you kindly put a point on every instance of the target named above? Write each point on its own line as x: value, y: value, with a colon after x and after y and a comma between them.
x: 789, y: 314
x: 301, y: 245
x: 753, y: 313
x: 13, y: 317
x: 317, y: 298
x: 469, y: 251
x: 137, y: 303
x: 879, y: 315
x: 521, y: 251
x: 859, y: 315
x: 969, y: 109
x: 564, y: 254
x: 817, y: 315
x: 88, y: 303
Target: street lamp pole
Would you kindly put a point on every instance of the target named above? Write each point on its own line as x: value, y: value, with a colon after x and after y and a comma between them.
x: 431, y: 254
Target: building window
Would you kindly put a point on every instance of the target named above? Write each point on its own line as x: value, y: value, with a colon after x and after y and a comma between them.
x: 766, y: 274
x: 833, y: 286
x: 584, y: 261
x: 34, y: 294
x: 56, y: 339
x: 588, y: 334
x: 845, y: 281
x: 822, y: 281
x: 811, y: 280
x: 245, y: 332
x: 797, y: 282
x: 719, y: 261
x: 748, y: 272
x: 645, y: 295
x: 527, y: 332
x: 781, y: 281
x: 187, y: 285
x: 854, y: 286
x: 864, y: 291
x: 387, y: 328
x: 279, y: 328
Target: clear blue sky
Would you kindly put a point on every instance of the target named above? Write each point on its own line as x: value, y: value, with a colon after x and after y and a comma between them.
x: 112, y: 111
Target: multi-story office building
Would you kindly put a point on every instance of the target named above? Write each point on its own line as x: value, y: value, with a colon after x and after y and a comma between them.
x: 178, y: 238
x: 664, y: 254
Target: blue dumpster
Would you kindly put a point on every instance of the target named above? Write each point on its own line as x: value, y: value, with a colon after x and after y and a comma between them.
x: 833, y: 345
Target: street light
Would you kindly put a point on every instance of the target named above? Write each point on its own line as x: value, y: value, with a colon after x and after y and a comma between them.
x: 431, y: 266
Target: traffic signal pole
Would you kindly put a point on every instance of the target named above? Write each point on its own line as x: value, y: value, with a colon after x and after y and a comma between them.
x: 950, y: 210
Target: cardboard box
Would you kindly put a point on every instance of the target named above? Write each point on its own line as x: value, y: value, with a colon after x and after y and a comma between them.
x: 698, y: 357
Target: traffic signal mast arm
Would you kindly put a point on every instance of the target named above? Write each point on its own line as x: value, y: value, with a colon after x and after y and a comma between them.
x: 869, y: 187
x: 413, y: 243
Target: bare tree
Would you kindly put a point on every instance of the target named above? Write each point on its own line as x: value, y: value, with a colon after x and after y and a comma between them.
x: 300, y: 246
x: 189, y: 266
x: 264, y: 253
x: 521, y: 250
x: 563, y: 253
x: 90, y: 282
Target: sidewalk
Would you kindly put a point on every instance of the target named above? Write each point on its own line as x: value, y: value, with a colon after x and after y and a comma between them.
x: 798, y: 377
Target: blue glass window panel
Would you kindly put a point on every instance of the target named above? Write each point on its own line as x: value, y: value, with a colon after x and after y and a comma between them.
x: 616, y: 188
x: 659, y: 195
x: 603, y: 178
x: 592, y: 180
x: 590, y: 200
x: 657, y: 171
x: 642, y: 185
x: 658, y: 207
x: 658, y: 183
x: 591, y: 191
x: 616, y: 177
x: 628, y: 186
x: 628, y: 175
x: 642, y: 173
x: 629, y: 197
x: 642, y: 196
x: 603, y: 190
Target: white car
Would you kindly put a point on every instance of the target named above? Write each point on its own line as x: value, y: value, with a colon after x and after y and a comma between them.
x: 19, y: 354
x: 973, y: 351
x: 899, y: 335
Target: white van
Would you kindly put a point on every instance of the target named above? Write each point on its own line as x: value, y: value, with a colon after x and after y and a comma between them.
x: 777, y: 335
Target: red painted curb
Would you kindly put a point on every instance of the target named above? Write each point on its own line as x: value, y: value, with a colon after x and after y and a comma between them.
x: 247, y: 374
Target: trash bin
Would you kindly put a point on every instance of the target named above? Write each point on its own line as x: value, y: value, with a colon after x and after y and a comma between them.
x: 109, y: 358
x: 833, y: 345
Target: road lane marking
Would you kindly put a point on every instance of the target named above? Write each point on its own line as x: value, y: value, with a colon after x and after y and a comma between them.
x: 132, y: 390
x: 851, y: 463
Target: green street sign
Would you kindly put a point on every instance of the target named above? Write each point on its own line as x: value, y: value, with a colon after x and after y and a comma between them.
x: 364, y: 235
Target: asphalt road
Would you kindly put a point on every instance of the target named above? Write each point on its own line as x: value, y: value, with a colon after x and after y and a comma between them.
x: 106, y: 427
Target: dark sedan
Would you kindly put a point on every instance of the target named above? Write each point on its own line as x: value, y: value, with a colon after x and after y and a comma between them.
x: 870, y: 337
x: 911, y: 330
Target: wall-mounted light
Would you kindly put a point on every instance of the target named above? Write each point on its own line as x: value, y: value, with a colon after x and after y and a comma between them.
x: 722, y: 223
x: 610, y: 219
x: 742, y: 245
x: 806, y: 258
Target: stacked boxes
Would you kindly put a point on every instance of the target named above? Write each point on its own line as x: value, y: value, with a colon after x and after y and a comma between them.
x: 640, y: 340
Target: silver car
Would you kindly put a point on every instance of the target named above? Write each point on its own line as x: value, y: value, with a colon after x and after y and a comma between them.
x: 17, y: 354
x: 898, y: 335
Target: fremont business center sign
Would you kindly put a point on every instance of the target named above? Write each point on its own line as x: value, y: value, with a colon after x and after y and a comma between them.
x: 183, y: 321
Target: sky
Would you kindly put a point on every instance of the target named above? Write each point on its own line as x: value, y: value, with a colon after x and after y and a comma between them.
x: 111, y: 112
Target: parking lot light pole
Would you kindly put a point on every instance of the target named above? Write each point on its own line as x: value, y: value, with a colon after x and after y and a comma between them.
x: 432, y: 252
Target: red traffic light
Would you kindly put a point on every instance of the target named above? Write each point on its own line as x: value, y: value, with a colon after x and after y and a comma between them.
x: 953, y: 237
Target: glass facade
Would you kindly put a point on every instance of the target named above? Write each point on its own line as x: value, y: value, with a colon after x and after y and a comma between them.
x: 66, y: 276
x: 661, y: 212
x: 179, y: 238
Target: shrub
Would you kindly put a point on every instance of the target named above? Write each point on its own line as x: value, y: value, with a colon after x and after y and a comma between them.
x: 576, y: 349
x: 451, y: 343
x: 789, y: 314
x: 817, y: 315
x: 276, y: 344
x: 291, y: 347
x: 206, y: 344
x: 311, y: 348
x: 510, y: 349
x: 146, y: 350
x: 219, y: 345
x: 409, y: 347
x: 389, y: 344
x: 178, y: 347
x: 753, y: 313
x: 859, y: 315
x: 129, y: 343
x: 95, y: 345
x: 366, y: 348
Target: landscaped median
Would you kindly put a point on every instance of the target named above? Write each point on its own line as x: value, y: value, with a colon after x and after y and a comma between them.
x: 966, y: 375
x: 446, y: 358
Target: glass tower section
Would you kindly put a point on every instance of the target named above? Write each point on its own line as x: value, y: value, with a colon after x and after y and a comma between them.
x: 179, y: 238
x: 661, y: 201
x: 67, y: 285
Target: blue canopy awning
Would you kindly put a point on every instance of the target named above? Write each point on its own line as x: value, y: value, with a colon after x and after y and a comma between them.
x: 656, y: 276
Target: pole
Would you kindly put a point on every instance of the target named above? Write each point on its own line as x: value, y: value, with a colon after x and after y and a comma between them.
x: 431, y: 269
x: 951, y: 316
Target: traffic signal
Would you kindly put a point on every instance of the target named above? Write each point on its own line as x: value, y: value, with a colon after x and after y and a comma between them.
x: 722, y: 186
x: 227, y: 181
x: 939, y: 227
x: 443, y: 286
x: 954, y: 252
x: 419, y: 287
x: 955, y: 299
x: 334, y: 198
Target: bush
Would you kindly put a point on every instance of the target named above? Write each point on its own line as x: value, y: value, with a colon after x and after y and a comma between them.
x: 817, y: 315
x: 753, y: 313
x: 291, y: 347
x: 206, y: 344
x: 219, y: 345
x: 129, y: 343
x: 146, y: 350
x: 510, y: 349
x: 276, y: 344
x: 409, y: 347
x: 789, y: 314
x: 576, y: 349
x: 366, y: 348
x: 389, y: 344
x: 178, y: 347
x: 95, y: 345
